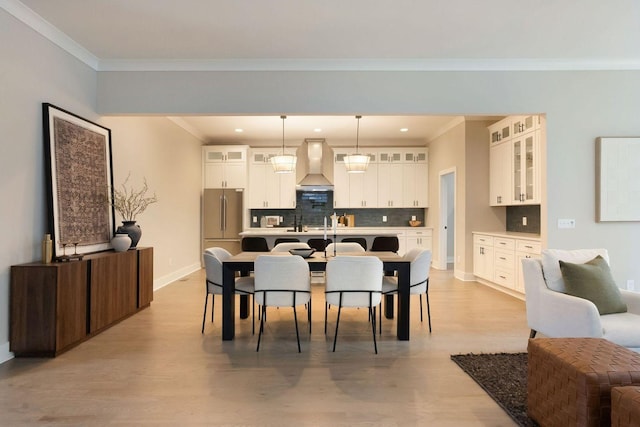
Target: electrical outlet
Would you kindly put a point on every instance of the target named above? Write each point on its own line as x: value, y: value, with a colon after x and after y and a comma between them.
x: 281, y: 219
x: 566, y: 223
x: 413, y: 217
x: 255, y: 219
x: 631, y: 285
x: 384, y: 218
x: 524, y: 220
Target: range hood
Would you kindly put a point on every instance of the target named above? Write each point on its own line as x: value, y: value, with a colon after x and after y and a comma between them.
x: 314, y: 170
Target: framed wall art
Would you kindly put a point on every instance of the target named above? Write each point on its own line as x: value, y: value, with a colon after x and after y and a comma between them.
x: 79, y: 168
x: 617, y: 181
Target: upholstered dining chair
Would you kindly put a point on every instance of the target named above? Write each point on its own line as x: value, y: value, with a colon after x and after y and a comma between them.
x: 213, y: 258
x: 385, y: 244
x: 344, y: 247
x: 354, y: 281
x: 418, y: 282
x: 282, y: 281
x: 285, y: 246
x: 285, y: 240
x: 254, y: 244
x: 359, y: 240
x: 318, y: 244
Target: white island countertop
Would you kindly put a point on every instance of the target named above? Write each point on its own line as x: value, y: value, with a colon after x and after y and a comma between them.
x: 319, y: 231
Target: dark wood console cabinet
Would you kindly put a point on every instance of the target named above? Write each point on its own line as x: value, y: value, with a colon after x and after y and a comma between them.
x: 57, y: 306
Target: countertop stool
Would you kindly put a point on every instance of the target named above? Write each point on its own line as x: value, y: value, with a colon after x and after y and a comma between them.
x: 569, y: 380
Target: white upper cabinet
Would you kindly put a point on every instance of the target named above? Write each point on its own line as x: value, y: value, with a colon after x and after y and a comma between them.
x: 390, y: 178
x: 340, y: 179
x: 525, y: 169
x: 415, y: 178
x: 225, y: 167
x: 500, y: 131
x: 515, y: 171
x: 267, y: 189
x: 363, y: 187
x: 500, y: 174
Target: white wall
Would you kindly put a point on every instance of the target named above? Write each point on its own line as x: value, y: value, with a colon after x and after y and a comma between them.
x: 170, y: 159
x: 34, y: 71
x: 580, y: 106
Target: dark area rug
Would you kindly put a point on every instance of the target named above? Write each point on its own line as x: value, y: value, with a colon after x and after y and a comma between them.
x: 504, y: 377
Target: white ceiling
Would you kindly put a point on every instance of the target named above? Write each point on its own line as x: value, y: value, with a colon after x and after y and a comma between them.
x: 337, y: 34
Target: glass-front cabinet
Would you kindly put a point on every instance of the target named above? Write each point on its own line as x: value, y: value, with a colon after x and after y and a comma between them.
x: 525, y: 176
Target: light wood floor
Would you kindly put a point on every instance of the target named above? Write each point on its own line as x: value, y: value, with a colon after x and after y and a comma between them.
x: 156, y: 368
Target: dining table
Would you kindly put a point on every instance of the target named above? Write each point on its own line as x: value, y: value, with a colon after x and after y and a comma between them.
x: 244, y: 263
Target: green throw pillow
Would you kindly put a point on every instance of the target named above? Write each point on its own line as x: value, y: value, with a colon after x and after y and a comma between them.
x: 593, y: 281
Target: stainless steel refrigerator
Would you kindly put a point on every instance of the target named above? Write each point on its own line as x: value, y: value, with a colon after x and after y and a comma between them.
x: 222, y: 218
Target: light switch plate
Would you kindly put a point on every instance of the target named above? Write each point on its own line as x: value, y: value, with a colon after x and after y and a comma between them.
x: 566, y: 223
x: 384, y: 218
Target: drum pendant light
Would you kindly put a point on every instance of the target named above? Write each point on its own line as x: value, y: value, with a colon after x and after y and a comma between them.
x: 356, y: 163
x: 283, y: 163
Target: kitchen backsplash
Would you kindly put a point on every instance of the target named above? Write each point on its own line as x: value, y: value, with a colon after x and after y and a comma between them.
x: 515, y: 215
x: 313, y: 210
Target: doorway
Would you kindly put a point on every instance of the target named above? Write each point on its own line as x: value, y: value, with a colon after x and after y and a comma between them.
x: 446, y: 235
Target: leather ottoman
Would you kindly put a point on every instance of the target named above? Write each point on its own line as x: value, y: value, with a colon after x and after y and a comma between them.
x: 625, y: 406
x: 569, y: 380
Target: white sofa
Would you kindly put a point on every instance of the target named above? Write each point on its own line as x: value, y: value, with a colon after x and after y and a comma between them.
x: 556, y: 314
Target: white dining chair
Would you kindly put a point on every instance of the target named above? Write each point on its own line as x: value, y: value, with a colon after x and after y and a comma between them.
x: 286, y: 246
x: 282, y: 281
x: 213, y: 258
x: 419, y: 279
x: 344, y: 247
x: 354, y: 281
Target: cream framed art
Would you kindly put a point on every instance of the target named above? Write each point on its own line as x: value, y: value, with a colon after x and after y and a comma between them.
x: 79, y: 169
x: 617, y: 180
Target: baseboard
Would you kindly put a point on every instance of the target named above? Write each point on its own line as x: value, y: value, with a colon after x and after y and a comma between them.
x: 5, y: 354
x: 464, y: 276
x: 172, y: 277
x: 502, y: 289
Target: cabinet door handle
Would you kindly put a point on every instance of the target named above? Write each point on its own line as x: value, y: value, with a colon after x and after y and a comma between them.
x: 503, y: 258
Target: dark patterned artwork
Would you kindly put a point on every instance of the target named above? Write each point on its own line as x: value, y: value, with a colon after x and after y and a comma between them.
x: 79, y: 154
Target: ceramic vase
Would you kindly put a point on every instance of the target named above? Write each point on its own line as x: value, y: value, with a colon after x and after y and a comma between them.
x: 134, y: 231
x: 121, y: 242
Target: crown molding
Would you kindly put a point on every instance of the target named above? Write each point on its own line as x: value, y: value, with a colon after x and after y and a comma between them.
x: 180, y: 122
x: 49, y: 31
x: 480, y: 64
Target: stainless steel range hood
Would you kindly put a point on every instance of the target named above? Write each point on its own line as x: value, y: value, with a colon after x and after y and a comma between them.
x: 314, y: 170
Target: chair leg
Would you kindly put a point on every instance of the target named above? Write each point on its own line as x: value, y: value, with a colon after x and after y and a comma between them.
x: 335, y: 338
x: 420, y: 297
x: 263, y: 308
x: 253, y: 315
x: 326, y: 306
x: 213, y: 305
x: 204, y: 315
x: 295, y: 318
x: 372, y: 310
x: 426, y: 295
x: 309, y: 316
x: 533, y: 333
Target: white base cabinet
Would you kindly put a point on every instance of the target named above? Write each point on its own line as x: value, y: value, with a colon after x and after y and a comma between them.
x: 498, y: 259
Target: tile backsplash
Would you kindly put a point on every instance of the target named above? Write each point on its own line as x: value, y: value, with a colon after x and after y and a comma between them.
x: 314, y: 208
x: 515, y: 215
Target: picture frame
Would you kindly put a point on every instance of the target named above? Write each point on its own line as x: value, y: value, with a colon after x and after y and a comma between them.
x: 80, y: 182
x: 617, y: 184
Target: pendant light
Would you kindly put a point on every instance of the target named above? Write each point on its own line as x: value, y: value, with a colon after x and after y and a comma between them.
x: 283, y: 163
x: 356, y: 163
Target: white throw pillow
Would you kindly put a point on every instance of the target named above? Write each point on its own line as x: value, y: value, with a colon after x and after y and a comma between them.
x: 551, y: 263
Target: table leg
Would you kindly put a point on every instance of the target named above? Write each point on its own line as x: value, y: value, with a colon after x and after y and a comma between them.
x: 388, y: 306
x: 403, y: 301
x: 228, y: 303
x: 244, y: 306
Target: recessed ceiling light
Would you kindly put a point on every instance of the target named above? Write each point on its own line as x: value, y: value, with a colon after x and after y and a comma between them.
x: 239, y: 130
x: 404, y: 130
x: 317, y: 130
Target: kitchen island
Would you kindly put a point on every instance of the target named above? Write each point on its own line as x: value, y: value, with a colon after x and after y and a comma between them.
x: 369, y: 233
